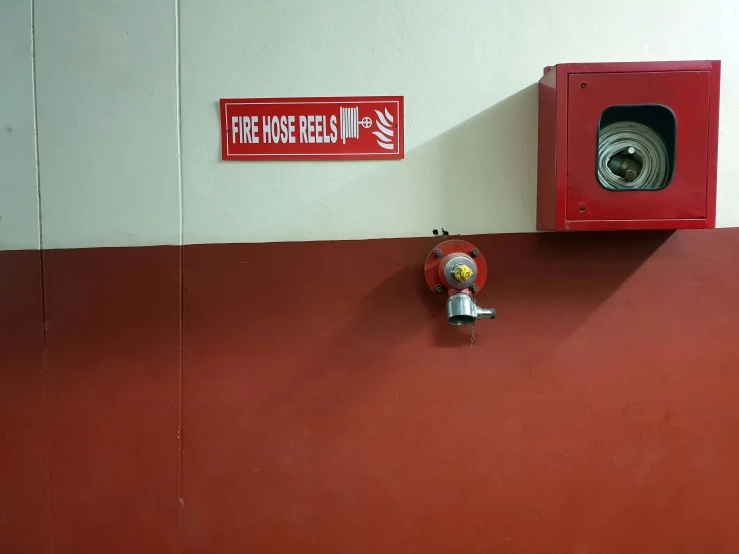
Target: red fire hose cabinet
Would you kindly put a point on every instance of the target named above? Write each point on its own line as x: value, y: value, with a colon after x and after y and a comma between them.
x: 628, y: 146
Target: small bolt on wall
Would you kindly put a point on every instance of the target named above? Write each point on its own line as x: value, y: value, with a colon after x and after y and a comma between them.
x: 458, y: 268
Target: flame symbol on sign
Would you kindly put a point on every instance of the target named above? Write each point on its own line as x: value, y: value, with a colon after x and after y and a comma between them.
x: 385, y: 133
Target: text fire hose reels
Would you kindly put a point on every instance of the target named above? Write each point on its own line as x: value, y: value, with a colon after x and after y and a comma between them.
x: 458, y: 268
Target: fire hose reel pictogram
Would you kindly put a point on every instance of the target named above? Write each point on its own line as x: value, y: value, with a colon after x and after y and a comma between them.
x: 350, y: 124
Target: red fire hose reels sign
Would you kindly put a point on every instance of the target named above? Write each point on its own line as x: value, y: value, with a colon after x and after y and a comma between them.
x: 346, y: 128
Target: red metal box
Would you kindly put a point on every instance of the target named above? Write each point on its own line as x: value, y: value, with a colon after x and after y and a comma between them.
x: 628, y: 146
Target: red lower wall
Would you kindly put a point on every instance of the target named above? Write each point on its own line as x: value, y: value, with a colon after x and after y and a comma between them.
x: 336, y: 411
x: 25, y: 516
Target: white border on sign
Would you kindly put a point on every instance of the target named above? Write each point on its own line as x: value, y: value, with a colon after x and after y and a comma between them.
x: 397, y: 111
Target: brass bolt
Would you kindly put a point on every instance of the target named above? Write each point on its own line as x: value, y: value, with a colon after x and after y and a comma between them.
x: 462, y: 273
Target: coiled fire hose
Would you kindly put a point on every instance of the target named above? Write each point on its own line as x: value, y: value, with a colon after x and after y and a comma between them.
x: 631, y: 156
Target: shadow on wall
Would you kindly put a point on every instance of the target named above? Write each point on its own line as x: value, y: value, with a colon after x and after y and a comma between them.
x: 544, y: 286
x: 482, y: 174
x: 478, y: 177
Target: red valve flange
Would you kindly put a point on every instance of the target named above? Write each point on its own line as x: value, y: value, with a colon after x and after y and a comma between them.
x: 438, y: 259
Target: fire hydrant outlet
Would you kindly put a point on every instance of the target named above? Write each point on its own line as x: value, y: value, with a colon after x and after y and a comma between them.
x: 462, y: 310
x: 450, y: 267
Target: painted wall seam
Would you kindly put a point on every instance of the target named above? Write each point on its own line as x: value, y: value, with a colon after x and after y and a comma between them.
x: 180, y: 383
x: 42, y: 291
x: 35, y: 130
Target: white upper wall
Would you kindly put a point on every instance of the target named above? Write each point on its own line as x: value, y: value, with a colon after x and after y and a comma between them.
x: 107, y: 122
x: 19, y: 227
x: 107, y: 111
x: 465, y: 69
